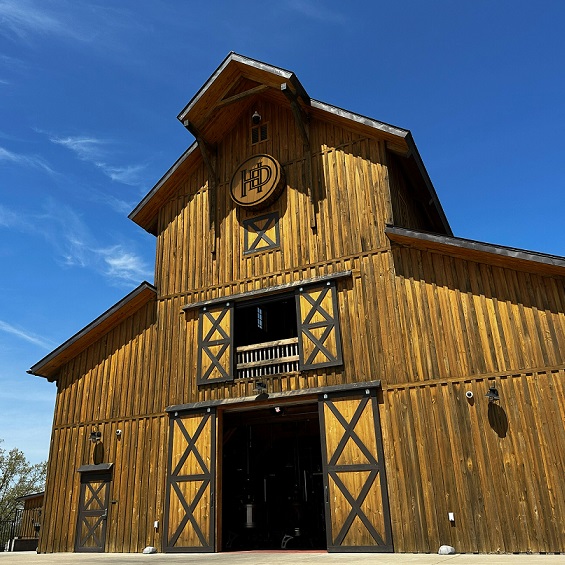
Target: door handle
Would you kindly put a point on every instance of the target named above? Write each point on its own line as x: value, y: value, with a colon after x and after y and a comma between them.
x: 105, y: 514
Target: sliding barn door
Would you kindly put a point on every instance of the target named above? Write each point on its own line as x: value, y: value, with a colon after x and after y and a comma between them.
x: 189, y: 515
x: 357, y: 512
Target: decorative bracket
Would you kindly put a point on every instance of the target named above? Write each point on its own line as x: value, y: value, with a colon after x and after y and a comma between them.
x: 300, y: 116
x: 301, y: 120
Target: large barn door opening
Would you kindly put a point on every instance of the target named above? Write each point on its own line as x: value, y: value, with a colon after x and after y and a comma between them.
x: 272, y: 489
x: 189, y: 515
x: 92, y: 512
x: 357, y: 511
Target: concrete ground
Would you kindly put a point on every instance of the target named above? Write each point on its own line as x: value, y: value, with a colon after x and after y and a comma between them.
x: 276, y: 558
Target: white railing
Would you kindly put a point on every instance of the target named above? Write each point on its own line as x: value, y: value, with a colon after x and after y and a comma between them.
x: 269, y: 358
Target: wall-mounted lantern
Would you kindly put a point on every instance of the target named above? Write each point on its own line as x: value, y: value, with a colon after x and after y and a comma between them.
x: 492, y: 394
x: 95, y: 435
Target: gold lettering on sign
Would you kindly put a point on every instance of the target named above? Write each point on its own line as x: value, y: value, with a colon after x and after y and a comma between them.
x: 255, y: 178
x: 257, y: 182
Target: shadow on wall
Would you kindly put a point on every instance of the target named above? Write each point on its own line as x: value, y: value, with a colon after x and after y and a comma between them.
x: 498, y: 419
x: 98, y: 453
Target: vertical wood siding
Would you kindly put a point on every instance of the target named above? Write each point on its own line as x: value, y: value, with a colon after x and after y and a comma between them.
x: 461, y: 318
x: 406, y: 209
x: 113, y: 384
x: 480, y: 461
x: 113, y: 378
x: 136, y: 490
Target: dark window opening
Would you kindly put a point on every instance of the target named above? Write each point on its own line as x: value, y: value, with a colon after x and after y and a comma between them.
x: 270, y: 320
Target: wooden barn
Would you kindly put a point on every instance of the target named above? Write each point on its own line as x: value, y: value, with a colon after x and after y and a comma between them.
x: 320, y: 363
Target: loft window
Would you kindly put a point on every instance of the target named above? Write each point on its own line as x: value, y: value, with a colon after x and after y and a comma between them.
x: 250, y: 320
x: 252, y: 336
x: 259, y: 133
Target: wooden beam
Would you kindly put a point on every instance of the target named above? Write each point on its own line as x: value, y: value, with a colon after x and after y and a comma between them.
x: 242, y: 95
x: 268, y: 290
x: 301, y: 120
x: 300, y: 117
x: 209, y: 157
x: 309, y: 393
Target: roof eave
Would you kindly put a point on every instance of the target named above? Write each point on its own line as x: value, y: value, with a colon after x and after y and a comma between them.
x: 137, y: 215
x: 49, y: 365
x: 477, y: 250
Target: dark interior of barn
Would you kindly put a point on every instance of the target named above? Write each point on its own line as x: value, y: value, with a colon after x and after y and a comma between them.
x: 272, y: 489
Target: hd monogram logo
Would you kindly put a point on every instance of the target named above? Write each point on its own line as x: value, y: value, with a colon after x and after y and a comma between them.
x: 257, y: 182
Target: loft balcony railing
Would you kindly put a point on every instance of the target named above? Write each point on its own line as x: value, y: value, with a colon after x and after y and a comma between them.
x: 269, y: 358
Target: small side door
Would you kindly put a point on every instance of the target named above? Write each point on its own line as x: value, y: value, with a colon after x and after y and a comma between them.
x: 93, y: 512
x: 357, y: 510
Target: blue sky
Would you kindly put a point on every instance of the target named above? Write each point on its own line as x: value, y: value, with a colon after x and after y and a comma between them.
x: 90, y: 91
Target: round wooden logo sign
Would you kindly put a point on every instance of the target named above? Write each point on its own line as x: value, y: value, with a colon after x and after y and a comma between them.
x: 257, y: 182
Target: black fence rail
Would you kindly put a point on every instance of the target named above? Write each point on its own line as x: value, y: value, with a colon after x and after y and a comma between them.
x: 10, y: 529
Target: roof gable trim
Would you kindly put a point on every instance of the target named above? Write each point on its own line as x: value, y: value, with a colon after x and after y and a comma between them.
x: 360, y: 119
x: 404, y: 235
x: 283, y: 73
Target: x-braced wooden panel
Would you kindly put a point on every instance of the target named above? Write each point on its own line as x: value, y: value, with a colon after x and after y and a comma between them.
x: 319, y: 336
x: 189, y: 516
x: 93, y: 514
x: 215, y: 344
x: 357, y: 512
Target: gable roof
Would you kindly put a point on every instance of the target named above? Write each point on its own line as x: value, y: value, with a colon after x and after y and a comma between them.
x: 51, y: 363
x: 210, y: 112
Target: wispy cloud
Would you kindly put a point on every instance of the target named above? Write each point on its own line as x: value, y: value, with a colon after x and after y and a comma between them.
x: 316, y: 11
x: 21, y: 17
x: 86, y: 148
x: 74, y: 245
x: 131, y: 175
x: 100, y: 27
x: 124, y: 265
x: 25, y: 335
x: 8, y: 218
x: 97, y: 151
x: 24, y: 160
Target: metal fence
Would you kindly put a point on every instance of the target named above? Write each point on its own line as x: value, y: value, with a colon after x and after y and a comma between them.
x: 9, y: 529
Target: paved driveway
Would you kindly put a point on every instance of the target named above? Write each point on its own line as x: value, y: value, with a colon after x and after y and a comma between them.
x: 274, y: 558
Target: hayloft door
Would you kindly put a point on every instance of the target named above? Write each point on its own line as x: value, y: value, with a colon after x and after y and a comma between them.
x: 356, y: 499
x: 189, y: 513
x: 319, y: 341
x: 92, y: 512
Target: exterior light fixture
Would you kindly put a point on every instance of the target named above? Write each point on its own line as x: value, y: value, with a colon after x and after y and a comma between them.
x: 260, y: 387
x: 256, y: 118
x: 492, y: 394
x: 95, y: 435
